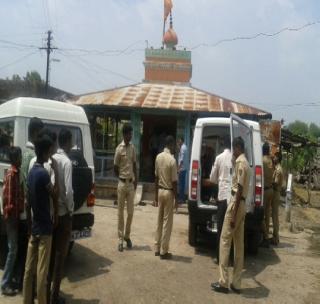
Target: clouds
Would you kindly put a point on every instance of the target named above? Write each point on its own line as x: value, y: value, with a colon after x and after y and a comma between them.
x: 265, y: 71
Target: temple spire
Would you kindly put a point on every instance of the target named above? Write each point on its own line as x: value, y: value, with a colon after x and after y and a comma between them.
x: 170, y: 39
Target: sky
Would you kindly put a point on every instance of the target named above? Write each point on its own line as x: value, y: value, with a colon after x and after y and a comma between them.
x: 101, y: 46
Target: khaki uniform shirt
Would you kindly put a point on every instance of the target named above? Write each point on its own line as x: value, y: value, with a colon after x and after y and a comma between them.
x: 241, y: 176
x: 166, y: 169
x: 278, y: 178
x: 268, y: 171
x: 124, y: 158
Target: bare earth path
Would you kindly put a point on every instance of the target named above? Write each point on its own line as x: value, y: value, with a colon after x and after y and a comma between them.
x: 97, y: 273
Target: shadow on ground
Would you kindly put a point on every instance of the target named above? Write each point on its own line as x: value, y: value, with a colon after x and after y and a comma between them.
x: 254, y: 265
x: 141, y: 248
x: 83, y: 263
x: 72, y: 300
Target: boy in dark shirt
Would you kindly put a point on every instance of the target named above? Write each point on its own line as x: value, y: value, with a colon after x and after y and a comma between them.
x: 13, y: 202
x: 39, y: 247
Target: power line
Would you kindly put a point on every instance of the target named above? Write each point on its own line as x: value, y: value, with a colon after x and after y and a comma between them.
x: 79, y: 64
x: 102, y: 68
x: 18, y: 44
x: 17, y: 60
x: 107, y: 52
x: 255, y: 36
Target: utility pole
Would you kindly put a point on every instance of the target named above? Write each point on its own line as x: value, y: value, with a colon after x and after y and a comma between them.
x: 49, y: 49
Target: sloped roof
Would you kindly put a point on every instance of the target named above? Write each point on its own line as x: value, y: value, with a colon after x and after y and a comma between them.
x: 165, y: 96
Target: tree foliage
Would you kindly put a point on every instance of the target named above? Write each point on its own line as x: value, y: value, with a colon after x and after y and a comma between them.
x: 302, y: 157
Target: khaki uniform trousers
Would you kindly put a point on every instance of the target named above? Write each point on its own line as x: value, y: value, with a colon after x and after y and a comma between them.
x: 165, y: 221
x: 275, y: 215
x: 267, y: 200
x: 237, y: 236
x: 38, y: 260
x: 125, y: 194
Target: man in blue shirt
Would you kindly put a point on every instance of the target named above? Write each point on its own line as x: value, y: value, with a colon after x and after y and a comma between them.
x: 39, y: 247
x: 182, y: 169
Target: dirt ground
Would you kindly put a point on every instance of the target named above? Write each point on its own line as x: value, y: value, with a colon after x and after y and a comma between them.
x: 97, y: 273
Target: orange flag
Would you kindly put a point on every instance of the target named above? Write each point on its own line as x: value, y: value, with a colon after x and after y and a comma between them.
x: 167, y: 8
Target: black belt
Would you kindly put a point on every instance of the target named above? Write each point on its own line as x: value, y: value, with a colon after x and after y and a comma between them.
x: 233, y: 193
x: 129, y: 180
x: 163, y: 188
x: 267, y: 188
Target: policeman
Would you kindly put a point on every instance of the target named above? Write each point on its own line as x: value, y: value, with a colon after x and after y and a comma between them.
x: 233, y: 225
x: 125, y: 169
x: 277, y: 184
x: 268, y: 191
x: 165, y: 197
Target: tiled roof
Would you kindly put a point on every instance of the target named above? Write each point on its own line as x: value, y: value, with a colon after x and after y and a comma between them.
x: 165, y: 96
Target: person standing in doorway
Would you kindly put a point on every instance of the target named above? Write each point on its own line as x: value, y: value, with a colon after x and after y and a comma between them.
x: 182, y: 169
x: 13, y: 205
x: 233, y: 225
x: 125, y: 169
x: 277, y: 185
x: 221, y: 176
x: 62, y: 232
x: 165, y: 197
x: 268, y: 191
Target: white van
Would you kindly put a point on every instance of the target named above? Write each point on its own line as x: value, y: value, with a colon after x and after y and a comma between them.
x: 207, y: 144
x: 15, y: 116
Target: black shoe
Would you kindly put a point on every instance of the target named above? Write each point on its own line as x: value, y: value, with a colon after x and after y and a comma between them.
x: 218, y: 288
x: 235, y: 290
x: 129, y: 243
x: 7, y: 291
x: 120, y: 247
x: 166, y: 256
x: 157, y: 253
x: 265, y: 243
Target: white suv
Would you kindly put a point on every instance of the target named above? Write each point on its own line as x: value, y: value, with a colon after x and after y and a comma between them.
x: 207, y: 139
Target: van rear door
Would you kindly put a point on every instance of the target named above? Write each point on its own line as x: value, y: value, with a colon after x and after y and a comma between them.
x: 238, y: 127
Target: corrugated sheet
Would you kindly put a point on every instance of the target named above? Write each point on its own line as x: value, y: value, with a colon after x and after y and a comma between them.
x: 165, y: 96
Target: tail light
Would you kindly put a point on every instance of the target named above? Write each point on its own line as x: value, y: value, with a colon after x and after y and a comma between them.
x: 91, y: 197
x: 258, y: 186
x: 194, y: 179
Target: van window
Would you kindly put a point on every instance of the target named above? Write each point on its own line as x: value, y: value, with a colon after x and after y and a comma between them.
x: 243, y: 131
x: 77, y: 143
x: 6, y: 139
x: 212, y: 144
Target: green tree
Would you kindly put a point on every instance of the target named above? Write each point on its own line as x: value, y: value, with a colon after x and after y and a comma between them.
x: 314, y: 130
x: 299, y: 128
x: 34, y: 83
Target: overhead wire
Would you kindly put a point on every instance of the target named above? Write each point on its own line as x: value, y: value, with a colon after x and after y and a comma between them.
x: 101, y: 68
x: 255, y: 36
x: 17, y: 60
x: 83, y: 67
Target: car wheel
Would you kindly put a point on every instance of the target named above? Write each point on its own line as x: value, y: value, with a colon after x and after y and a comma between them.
x: 192, y: 233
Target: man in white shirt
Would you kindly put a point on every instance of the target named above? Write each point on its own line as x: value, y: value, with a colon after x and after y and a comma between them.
x: 221, y: 176
x: 62, y: 233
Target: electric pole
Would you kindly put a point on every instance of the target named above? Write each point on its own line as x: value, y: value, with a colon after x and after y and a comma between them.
x: 49, y: 49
